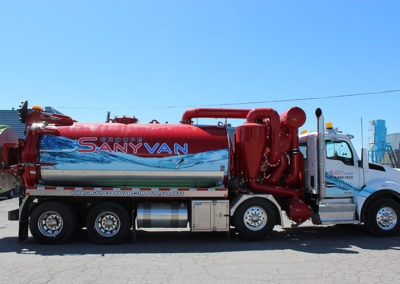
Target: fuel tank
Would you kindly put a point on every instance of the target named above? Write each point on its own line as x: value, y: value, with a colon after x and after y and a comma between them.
x: 162, y: 215
x: 140, y: 155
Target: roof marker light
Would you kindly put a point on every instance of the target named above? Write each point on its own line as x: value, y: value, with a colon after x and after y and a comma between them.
x: 38, y: 107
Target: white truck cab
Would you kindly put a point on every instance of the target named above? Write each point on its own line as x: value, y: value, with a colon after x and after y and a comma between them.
x: 347, y: 189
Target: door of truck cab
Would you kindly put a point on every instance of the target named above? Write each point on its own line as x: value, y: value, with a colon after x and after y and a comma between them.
x: 343, y: 174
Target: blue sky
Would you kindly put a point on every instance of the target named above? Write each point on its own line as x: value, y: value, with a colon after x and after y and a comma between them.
x: 143, y: 57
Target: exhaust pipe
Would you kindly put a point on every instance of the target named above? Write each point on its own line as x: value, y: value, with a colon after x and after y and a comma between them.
x: 321, y: 153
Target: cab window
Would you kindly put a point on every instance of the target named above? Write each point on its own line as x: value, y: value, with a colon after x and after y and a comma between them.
x: 339, y: 150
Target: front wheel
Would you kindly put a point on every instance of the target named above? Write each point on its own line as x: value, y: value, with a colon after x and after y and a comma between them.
x: 383, y: 217
x: 255, y: 218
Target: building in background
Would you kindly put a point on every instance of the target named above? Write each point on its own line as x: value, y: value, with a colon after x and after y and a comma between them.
x: 11, y: 118
x: 394, y: 141
x: 383, y: 148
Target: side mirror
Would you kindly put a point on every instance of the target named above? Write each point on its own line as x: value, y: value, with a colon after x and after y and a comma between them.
x: 364, y: 158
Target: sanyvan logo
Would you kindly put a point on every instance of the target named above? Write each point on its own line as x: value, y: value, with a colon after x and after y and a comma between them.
x: 157, y: 148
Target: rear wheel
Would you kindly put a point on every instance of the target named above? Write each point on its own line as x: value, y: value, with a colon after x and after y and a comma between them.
x: 52, y: 222
x: 383, y: 217
x: 108, y: 223
x: 255, y: 218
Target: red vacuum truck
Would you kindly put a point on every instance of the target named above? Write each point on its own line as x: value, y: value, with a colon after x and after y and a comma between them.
x: 122, y: 176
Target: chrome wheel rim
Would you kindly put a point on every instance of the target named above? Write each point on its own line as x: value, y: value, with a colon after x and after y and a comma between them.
x: 107, y: 224
x: 255, y: 218
x: 386, y: 218
x: 50, y: 223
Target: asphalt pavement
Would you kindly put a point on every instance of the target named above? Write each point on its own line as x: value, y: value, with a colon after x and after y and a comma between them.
x: 308, y: 254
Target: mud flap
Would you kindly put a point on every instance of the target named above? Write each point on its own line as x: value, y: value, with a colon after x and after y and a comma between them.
x: 13, y: 215
x: 24, y: 217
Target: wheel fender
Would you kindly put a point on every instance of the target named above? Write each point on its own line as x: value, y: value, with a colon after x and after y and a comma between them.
x: 241, y: 198
x: 371, y: 197
x: 379, y: 183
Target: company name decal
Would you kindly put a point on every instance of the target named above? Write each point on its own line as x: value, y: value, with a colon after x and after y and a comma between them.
x: 128, y: 193
x: 342, y: 174
x: 129, y: 146
x: 97, y: 154
x: 340, y: 184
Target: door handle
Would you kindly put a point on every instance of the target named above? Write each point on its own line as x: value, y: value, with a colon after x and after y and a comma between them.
x: 328, y: 184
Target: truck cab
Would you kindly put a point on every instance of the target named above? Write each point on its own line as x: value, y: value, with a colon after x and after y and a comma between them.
x: 349, y: 190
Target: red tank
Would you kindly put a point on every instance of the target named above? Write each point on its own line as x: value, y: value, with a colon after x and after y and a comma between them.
x: 122, y: 154
x: 115, y: 154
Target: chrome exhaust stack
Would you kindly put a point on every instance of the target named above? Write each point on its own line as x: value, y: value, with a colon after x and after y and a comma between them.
x: 321, y: 153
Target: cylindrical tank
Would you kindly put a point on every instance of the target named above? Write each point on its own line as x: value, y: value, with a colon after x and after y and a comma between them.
x: 252, y: 140
x: 162, y: 215
x: 115, y: 154
x: 8, y: 181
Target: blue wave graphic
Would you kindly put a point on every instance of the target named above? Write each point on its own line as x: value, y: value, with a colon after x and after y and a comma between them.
x: 64, y: 153
x: 340, y: 183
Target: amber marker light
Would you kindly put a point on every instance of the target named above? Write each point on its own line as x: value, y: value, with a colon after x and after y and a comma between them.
x: 38, y: 107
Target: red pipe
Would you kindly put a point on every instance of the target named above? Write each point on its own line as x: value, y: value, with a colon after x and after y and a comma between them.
x: 273, y: 116
x: 293, y: 175
x: 277, y: 173
x: 301, y: 176
x: 293, y: 118
x: 267, y: 188
x: 212, y: 113
x: 29, y: 157
x: 294, y: 138
x: 294, y: 152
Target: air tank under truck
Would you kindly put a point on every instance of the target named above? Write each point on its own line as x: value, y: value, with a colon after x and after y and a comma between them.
x: 122, y: 176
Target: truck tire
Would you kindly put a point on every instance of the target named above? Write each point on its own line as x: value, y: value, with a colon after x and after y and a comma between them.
x: 108, y: 223
x: 383, y: 217
x: 254, y: 219
x: 52, y: 222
